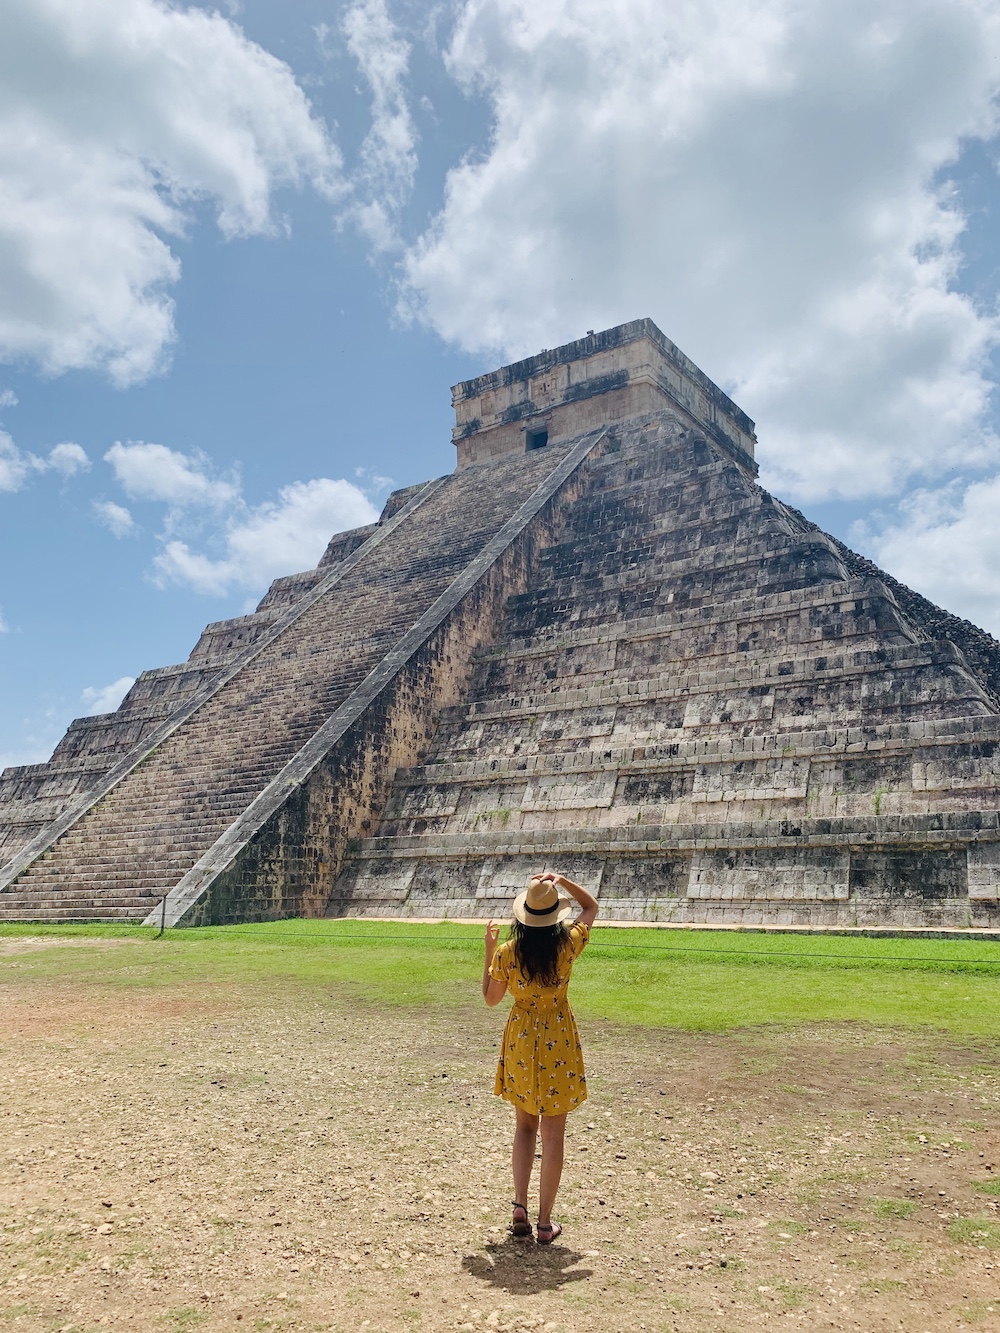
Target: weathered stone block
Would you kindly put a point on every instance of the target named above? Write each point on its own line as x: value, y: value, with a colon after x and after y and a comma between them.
x: 754, y: 705
x: 652, y: 879
x: 903, y: 873
x: 591, y: 791
x: 501, y: 877
x: 983, y: 869
x: 808, y: 875
x: 378, y: 881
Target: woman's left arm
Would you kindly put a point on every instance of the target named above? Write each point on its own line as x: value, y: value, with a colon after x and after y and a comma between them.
x: 493, y: 990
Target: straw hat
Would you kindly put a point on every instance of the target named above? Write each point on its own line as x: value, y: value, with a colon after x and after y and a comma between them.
x: 541, y: 904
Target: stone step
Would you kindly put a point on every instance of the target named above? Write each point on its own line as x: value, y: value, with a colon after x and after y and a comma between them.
x: 763, y: 609
x: 127, y: 863
x: 727, y: 541
x: 129, y: 875
x: 920, y: 742
x: 606, y: 602
x: 766, y: 679
x: 93, y: 898
x: 944, y: 828
x: 685, y: 799
x: 57, y: 915
x: 716, y: 649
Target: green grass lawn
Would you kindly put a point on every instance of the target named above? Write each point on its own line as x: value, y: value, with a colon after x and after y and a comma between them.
x: 698, y: 980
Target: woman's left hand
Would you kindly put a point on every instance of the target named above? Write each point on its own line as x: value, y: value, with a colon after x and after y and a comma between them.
x: 492, y: 935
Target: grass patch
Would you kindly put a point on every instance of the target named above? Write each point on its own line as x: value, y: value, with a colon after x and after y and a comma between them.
x: 894, y: 1207
x: 186, y: 1317
x: 906, y: 1249
x: 974, y: 1311
x: 791, y: 1294
x: 700, y: 981
x: 991, y: 1186
x: 879, y: 1286
x: 979, y: 1231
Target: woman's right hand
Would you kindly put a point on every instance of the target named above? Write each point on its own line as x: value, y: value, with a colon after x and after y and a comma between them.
x: 586, y: 900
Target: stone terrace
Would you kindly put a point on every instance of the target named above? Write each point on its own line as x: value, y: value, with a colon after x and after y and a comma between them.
x: 698, y: 710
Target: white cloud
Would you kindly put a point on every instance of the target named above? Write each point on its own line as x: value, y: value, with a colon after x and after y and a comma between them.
x: 326, y: 39
x: 4, y: 627
x: 373, y: 483
x: 116, y: 518
x: 258, y: 543
x: 278, y: 537
x: 106, y: 698
x: 8, y: 398
x: 14, y: 466
x: 68, y: 458
x: 115, y: 117
x: 763, y: 181
x: 154, y: 472
x: 388, y: 163
x: 946, y: 544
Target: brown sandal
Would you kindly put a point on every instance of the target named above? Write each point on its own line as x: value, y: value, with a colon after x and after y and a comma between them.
x: 520, y: 1226
x: 550, y: 1229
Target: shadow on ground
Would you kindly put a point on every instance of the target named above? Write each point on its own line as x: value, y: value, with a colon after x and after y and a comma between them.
x: 524, y: 1268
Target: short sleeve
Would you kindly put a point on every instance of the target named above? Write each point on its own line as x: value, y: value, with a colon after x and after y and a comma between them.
x: 579, y: 934
x: 500, y: 967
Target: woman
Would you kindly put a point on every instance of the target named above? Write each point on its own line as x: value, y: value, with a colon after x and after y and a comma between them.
x: 541, y: 1062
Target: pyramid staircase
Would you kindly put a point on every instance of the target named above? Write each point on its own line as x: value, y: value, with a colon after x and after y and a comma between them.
x: 182, y: 810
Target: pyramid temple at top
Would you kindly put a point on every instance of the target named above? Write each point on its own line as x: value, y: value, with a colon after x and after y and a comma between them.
x: 597, y: 645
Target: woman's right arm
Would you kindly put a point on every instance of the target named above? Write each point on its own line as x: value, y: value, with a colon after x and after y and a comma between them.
x: 588, y: 903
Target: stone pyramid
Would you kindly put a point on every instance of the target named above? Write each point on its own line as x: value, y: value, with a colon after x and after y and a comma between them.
x: 598, y: 644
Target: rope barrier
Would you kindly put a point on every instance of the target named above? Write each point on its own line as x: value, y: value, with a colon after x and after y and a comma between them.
x: 657, y: 948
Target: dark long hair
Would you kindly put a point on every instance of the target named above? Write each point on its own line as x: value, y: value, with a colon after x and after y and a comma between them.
x: 537, y: 950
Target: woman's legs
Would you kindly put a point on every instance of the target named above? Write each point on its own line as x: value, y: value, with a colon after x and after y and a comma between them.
x: 523, y: 1156
x: 553, y: 1136
x: 553, y: 1129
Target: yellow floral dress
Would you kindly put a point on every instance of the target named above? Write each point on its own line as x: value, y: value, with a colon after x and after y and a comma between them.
x: 541, y: 1059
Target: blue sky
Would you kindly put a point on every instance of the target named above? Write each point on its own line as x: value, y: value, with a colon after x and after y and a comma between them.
x: 245, y: 251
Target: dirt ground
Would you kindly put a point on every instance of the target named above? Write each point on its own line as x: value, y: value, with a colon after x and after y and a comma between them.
x: 301, y: 1161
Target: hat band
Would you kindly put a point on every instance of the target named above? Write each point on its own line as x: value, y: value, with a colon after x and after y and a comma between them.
x: 541, y: 911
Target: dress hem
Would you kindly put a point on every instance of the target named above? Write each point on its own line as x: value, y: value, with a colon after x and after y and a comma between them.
x: 516, y: 1103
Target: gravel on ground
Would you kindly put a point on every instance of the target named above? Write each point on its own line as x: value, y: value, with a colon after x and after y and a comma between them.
x: 292, y: 1159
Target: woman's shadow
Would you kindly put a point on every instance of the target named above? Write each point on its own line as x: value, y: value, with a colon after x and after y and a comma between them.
x: 524, y: 1268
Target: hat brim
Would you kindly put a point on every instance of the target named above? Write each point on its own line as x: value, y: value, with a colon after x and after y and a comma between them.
x: 562, y: 909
